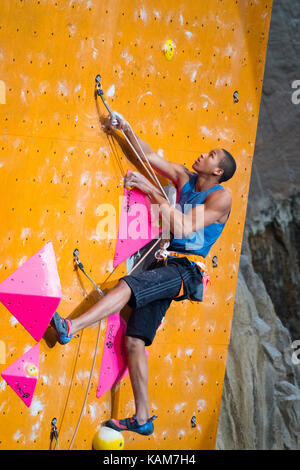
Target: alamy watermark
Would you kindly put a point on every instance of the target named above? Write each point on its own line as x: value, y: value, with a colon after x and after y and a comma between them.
x: 296, y: 354
x: 296, y: 93
x: 144, y: 222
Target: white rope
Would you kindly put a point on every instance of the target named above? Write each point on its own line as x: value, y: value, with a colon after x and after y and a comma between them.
x: 134, y: 267
x: 153, y: 175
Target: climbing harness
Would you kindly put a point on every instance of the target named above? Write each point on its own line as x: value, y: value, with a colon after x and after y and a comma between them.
x: 190, y: 257
x: 163, y: 254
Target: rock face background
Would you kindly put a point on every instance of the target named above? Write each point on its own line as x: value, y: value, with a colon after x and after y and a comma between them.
x: 261, y: 395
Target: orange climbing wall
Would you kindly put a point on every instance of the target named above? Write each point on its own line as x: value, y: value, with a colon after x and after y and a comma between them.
x: 57, y: 166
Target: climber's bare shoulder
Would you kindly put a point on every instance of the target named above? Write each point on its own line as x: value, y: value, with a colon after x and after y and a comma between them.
x: 219, y: 202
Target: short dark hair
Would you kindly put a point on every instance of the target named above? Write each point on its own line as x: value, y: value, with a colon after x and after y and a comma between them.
x: 227, y: 164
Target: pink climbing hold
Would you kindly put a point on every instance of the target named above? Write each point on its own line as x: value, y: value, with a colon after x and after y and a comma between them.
x: 137, y: 225
x: 33, y: 292
x: 114, y: 363
x: 22, y: 375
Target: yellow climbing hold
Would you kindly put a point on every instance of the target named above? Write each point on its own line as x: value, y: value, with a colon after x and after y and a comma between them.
x: 169, y: 48
x: 31, y: 370
x: 108, y: 439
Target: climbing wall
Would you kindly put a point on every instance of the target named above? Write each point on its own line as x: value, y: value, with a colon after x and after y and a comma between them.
x: 57, y: 167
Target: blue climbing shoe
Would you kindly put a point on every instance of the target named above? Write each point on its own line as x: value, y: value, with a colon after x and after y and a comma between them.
x: 131, y: 424
x: 62, y: 327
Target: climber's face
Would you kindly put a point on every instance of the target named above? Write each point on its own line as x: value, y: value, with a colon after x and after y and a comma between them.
x: 208, y: 163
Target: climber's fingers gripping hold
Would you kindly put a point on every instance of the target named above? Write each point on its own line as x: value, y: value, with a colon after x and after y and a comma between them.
x: 117, y: 121
x: 135, y: 179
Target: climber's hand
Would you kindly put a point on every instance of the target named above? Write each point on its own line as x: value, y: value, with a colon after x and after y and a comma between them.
x: 117, y: 121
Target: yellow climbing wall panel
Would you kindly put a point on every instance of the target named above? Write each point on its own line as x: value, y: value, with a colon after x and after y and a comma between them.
x: 57, y: 167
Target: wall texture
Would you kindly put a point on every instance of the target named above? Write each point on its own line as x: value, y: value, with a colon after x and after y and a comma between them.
x: 57, y: 166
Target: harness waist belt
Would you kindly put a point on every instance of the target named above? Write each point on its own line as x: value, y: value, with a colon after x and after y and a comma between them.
x: 195, y: 258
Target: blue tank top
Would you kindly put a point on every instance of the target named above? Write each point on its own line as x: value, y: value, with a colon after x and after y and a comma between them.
x: 201, y: 241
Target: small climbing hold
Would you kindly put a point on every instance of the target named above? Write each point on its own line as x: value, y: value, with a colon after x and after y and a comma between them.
x: 108, y: 439
x: 169, y: 49
x: 31, y: 370
x: 236, y: 97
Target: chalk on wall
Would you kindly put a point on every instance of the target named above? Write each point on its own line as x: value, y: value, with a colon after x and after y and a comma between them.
x: 2, y: 352
x: 2, y: 92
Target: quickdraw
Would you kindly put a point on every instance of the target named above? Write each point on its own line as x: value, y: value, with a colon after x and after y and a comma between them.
x: 80, y: 266
x: 150, y: 171
x: 54, y: 433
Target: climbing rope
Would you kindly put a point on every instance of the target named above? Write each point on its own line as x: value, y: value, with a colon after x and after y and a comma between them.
x: 98, y: 333
x: 151, y: 173
x: 154, y: 178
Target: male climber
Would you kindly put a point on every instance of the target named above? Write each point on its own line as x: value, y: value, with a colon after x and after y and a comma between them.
x: 177, y: 277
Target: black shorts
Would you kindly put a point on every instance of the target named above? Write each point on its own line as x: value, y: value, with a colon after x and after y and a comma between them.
x: 153, y: 291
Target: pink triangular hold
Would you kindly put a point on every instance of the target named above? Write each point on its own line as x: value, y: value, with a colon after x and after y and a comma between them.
x: 22, y: 375
x: 137, y: 225
x: 114, y: 363
x: 32, y: 293
x: 113, y: 358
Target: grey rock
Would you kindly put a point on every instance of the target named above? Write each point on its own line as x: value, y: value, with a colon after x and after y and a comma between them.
x: 261, y: 394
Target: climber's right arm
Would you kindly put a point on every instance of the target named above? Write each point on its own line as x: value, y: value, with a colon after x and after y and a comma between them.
x: 175, y: 172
